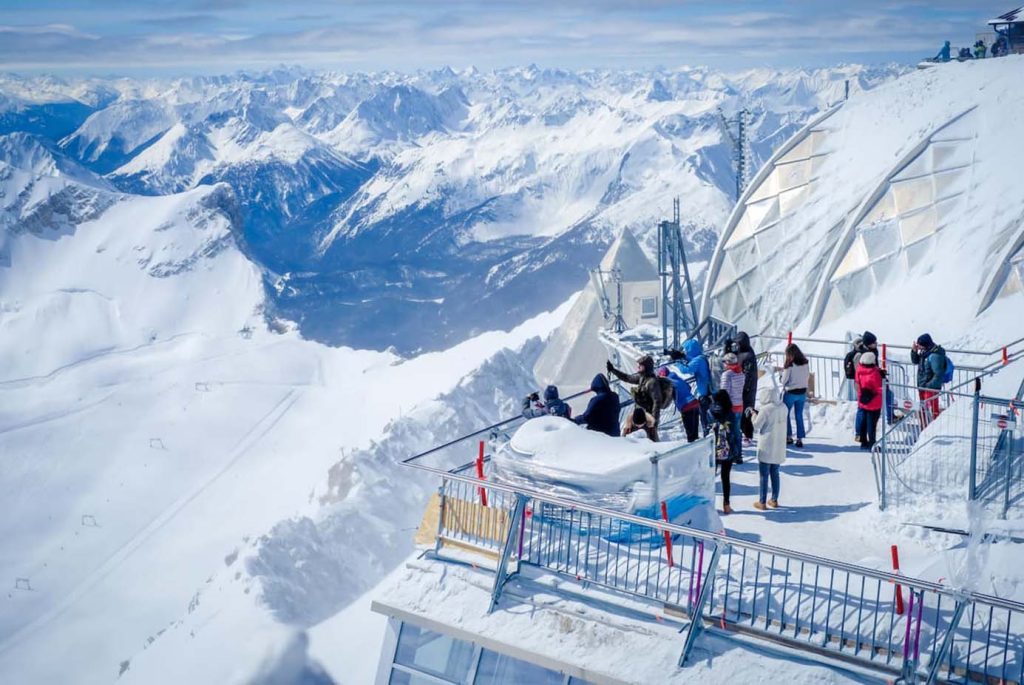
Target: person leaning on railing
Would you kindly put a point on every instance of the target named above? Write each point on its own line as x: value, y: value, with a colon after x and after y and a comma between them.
x: 931, y: 368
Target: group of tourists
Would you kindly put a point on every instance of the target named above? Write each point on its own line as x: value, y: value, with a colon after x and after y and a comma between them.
x: 977, y: 51
x: 730, y: 405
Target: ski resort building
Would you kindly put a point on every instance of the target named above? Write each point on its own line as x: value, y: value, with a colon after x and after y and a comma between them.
x: 899, y: 212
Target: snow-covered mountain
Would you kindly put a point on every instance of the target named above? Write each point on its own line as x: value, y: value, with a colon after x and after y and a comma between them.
x: 389, y: 197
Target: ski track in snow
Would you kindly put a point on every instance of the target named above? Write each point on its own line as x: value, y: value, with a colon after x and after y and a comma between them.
x: 251, y: 437
x: 55, y: 415
x: 98, y: 356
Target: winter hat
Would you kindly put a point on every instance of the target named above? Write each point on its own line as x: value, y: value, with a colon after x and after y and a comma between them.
x: 925, y: 341
x: 730, y: 359
x: 639, y: 416
x: 663, y: 372
x: 551, y: 393
x: 647, y: 363
x: 868, y: 359
x: 869, y: 338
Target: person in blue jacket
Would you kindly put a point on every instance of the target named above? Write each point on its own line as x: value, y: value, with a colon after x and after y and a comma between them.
x: 943, y: 55
x: 686, y: 403
x: 695, y: 363
x: 602, y: 413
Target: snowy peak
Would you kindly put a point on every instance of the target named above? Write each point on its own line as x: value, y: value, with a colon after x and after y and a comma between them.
x: 403, y: 113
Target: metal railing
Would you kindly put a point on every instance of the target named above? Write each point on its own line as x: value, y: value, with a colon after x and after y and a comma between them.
x: 900, y: 625
x: 955, y: 445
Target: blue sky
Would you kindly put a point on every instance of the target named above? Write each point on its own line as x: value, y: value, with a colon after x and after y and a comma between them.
x: 204, y: 36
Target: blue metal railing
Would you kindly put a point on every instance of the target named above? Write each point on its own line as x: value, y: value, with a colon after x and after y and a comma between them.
x: 806, y: 602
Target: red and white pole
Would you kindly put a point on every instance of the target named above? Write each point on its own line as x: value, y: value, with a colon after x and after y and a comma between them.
x: 789, y: 338
x: 480, y: 473
x: 883, y: 356
x: 668, y: 535
x: 899, y: 588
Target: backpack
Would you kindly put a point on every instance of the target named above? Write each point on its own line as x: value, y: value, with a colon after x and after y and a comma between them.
x: 947, y: 375
x: 848, y: 366
x: 644, y: 399
x: 714, y: 374
x: 558, y: 408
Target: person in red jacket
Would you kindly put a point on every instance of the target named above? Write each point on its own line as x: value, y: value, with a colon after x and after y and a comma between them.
x: 869, y: 399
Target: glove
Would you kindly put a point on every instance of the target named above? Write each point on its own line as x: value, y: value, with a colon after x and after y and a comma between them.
x: 608, y: 366
x: 675, y: 355
x: 749, y: 412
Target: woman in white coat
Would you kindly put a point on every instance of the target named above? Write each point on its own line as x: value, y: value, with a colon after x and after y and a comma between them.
x: 770, y: 426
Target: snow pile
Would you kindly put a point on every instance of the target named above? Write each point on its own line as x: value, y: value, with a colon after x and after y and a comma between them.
x: 557, y: 456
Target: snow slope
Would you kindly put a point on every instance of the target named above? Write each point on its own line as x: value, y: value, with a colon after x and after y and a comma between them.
x: 151, y: 423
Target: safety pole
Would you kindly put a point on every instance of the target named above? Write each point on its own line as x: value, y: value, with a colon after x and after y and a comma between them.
x: 973, y: 475
x: 899, y: 588
x: 668, y: 535
x: 480, y: 473
x: 883, y: 356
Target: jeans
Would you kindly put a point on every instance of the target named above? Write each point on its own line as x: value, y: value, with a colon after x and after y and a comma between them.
x: 858, y: 422
x: 795, y: 402
x: 769, y: 471
x: 868, y: 427
x: 736, y: 438
x: 705, y: 416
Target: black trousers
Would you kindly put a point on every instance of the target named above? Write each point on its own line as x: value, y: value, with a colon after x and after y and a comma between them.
x: 726, y: 477
x: 747, y: 426
x: 691, y: 422
x: 868, y: 427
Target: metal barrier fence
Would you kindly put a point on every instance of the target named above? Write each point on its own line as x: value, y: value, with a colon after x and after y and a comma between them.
x: 956, y: 445
x: 900, y: 625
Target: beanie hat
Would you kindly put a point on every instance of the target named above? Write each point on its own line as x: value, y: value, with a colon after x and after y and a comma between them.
x: 869, y: 338
x: 868, y: 359
x: 663, y: 372
x: 925, y: 341
x: 730, y: 359
x: 551, y: 392
x: 647, y: 363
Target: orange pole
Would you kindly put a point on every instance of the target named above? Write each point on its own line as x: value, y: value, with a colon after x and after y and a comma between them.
x: 1006, y: 357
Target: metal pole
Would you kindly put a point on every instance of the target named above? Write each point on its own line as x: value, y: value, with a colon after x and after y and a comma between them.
x: 973, y: 484
x: 664, y: 283
x: 697, y: 614
x: 883, y: 455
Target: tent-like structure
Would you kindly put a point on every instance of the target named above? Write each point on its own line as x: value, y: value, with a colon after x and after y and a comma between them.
x: 574, y: 353
x: 901, y: 209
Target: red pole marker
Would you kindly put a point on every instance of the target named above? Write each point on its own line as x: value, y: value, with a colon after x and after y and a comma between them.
x: 899, y: 588
x: 789, y: 338
x: 480, y: 473
x: 883, y: 355
x: 1006, y: 357
x: 668, y: 535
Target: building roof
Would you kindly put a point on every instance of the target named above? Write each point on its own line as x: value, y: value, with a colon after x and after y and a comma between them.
x: 1012, y: 17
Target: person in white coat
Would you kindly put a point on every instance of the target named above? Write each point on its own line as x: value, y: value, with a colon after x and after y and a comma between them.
x: 770, y: 426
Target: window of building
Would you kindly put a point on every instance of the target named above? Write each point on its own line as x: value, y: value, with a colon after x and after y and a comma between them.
x: 648, y: 307
x: 426, y: 657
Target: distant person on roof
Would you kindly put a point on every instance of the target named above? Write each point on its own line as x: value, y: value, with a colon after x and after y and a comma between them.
x: 602, y: 413
x: 550, y: 406
x: 943, y: 55
x: 648, y: 392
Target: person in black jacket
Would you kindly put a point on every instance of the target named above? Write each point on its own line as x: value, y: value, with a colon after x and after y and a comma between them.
x: 748, y: 362
x: 648, y: 392
x: 721, y: 414
x: 602, y: 413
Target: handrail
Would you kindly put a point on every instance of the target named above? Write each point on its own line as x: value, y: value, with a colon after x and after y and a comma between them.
x: 893, y: 346
x: 720, y: 538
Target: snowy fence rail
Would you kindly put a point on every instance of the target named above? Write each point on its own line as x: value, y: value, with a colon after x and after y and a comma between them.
x: 829, y: 607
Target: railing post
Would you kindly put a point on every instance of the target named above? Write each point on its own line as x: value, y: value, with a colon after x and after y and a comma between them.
x: 973, y: 476
x: 501, y: 574
x: 883, y: 455
x: 697, y: 613
x: 441, y: 504
x: 947, y: 640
